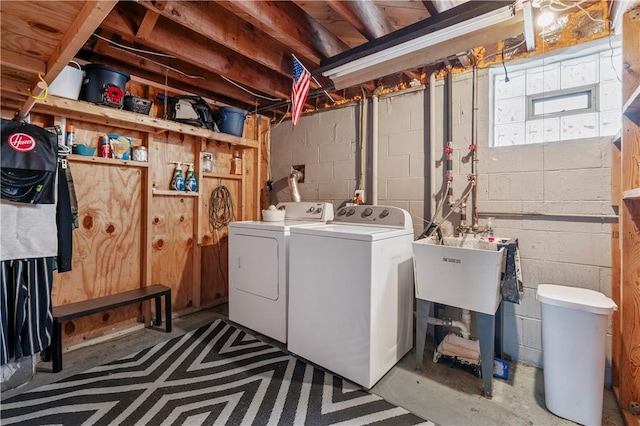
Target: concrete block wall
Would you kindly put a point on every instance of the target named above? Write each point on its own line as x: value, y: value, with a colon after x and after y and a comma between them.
x: 553, y: 197
x: 325, y: 143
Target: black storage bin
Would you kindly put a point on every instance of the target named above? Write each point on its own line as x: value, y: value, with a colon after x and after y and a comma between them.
x: 139, y: 105
x: 104, y: 85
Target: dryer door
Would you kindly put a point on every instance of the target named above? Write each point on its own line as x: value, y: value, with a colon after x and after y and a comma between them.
x: 253, y: 265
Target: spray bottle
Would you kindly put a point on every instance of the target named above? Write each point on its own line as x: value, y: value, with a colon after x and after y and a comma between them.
x: 191, y: 183
x: 177, y: 183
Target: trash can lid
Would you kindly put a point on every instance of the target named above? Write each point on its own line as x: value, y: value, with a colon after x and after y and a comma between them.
x: 576, y: 298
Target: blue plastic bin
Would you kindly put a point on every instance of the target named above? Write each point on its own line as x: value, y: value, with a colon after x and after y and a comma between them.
x: 232, y: 120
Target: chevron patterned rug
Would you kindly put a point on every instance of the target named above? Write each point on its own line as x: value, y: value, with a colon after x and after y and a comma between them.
x: 217, y: 374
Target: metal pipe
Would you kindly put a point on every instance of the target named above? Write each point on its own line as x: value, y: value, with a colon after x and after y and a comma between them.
x: 374, y: 151
x: 611, y: 217
x: 464, y: 330
x: 474, y: 142
x: 466, y: 318
x: 363, y: 140
x: 448, y: 149
x: 432, y: 145
x: 293, y: 185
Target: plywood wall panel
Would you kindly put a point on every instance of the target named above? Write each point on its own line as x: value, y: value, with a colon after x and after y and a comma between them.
x: 215, y: 276
x: 172, y: 246
x: 166, y: 148
x: 107, y: 246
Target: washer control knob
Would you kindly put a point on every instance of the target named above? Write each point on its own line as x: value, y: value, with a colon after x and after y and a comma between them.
x: 367, y: 212
x: 351, y: 211
x: 318, y: 210
x: 384, y: 213
x: 341, y: 212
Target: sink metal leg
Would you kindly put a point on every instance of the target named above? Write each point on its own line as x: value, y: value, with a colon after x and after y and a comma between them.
x: 486, y: 331
x: 422, y: 315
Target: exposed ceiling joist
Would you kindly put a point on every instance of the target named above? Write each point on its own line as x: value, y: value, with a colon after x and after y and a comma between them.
x: 250, y: 42
x: 365, y: 16
x: 290, y: 25
x: 178, y: 42
x: 223, y: 27
x: 90, y: 17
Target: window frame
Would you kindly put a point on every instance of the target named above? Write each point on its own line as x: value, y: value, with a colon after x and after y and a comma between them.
x: 594, y: 101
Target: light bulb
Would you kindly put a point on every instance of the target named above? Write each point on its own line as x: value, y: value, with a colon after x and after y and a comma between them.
x: 546, y: 17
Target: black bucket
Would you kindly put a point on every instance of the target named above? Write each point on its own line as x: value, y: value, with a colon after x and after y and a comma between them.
x: 104, y: 85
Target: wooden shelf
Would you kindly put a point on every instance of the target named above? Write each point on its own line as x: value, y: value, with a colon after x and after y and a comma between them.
x: 631, y: 108
x: 91, y: 113
x: 221, y: 175
x: 107, y: 161
x: 172, y: 193
x: 631, y: 194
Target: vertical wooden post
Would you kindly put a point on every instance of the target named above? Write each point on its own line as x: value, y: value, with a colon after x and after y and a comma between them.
x: 629, y: 371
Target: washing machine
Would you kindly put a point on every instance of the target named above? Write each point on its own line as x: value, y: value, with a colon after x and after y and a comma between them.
x: 258, y: 267
x: 351, y: 292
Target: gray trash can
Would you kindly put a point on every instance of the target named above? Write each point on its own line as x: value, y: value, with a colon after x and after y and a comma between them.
x: 574, y: 330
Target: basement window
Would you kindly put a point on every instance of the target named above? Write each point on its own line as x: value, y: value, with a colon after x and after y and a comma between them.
x: 558, y: 98
x: 562, y: 103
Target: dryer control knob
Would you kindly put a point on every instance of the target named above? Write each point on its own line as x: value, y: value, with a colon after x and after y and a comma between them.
x: 341, y: 212
x: 384, y: 213
x: 367, y: 212
x: 350, y: 212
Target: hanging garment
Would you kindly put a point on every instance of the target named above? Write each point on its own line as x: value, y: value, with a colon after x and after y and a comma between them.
x: 512, y: 287
x: 73, y: 198
x: 25, y: 307
x: 28, y: 164
x: 28, y: 230
x: 64, y: 222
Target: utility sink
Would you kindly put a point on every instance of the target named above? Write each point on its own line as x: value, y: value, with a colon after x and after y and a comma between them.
x: 459, y: 271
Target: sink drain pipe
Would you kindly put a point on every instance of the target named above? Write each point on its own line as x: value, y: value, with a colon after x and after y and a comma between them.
x: 464, y: 329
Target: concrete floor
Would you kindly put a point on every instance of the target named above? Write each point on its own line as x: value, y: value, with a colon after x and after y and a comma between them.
x: 444, y: 395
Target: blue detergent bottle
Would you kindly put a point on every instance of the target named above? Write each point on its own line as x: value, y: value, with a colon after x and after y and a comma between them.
x: 191, y: 183
x: 177, y: 183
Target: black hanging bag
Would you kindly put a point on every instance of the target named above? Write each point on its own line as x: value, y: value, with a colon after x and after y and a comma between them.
x: 29, y: 163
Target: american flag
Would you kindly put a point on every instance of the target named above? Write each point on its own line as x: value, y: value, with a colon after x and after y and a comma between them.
x: 300, y: 89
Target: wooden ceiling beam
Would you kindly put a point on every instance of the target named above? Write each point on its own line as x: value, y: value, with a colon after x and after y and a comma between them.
x: 198, y: 77
x: 365, y: 17
x: 289, y: 24
x: 149, y: 21
x: 431, y: 8
x: 22, y: 62
x: 84, y: 24
x: 219, y: 25
x: 174, y: 40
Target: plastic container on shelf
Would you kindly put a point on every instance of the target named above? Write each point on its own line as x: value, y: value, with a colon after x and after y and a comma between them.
x: 236, y: 163
x: 139, y: 105
x: 69, y: 82
x: 104, y: 85
x: 232, y: 120
x: 207, y: 162
x: 574, y: 329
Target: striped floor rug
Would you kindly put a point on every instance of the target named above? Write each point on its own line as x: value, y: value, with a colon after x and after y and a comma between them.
x: 217, y: 374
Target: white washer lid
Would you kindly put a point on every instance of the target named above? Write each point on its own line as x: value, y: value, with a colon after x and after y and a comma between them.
x: 576, y: 298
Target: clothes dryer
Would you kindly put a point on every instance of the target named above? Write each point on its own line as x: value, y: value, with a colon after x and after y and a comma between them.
x: 258, y: 267
x: 351, y: 292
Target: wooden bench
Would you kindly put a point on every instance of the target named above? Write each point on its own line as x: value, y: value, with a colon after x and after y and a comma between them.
x: 100, y: 304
